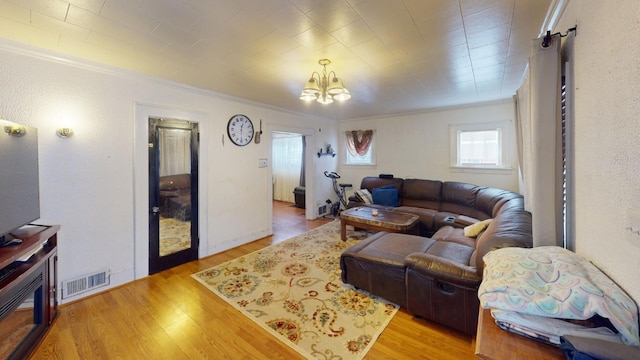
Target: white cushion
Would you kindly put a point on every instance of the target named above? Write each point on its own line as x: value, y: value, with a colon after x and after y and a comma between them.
x: 365, y: 196
x: 474, y: 230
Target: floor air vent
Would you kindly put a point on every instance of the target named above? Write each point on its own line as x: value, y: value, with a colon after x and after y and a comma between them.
x: 83, y: 284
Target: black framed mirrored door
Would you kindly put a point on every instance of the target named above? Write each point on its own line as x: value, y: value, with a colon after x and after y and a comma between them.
x: 173, y: 193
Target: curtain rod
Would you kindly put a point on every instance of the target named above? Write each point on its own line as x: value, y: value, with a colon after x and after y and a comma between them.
x: 547, y: 38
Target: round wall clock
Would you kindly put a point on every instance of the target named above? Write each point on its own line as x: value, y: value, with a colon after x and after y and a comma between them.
x: 240, y: 130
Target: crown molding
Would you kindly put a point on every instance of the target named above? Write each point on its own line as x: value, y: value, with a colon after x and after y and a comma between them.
x: 435, y: 109
x: 68, y: 60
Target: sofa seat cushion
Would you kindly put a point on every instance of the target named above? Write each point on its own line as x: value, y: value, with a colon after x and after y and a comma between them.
x: 451, y: 251
x: 389, y: 248
x: 456, y: 235
x: 377, y: 264
x: 447, y: 261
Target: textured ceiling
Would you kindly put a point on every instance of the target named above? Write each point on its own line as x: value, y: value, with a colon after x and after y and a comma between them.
x: 394, y: 56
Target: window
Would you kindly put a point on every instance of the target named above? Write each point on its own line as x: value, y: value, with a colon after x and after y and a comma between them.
x: 568, y: 155
x: 481, y: 146
x: 360, y: 147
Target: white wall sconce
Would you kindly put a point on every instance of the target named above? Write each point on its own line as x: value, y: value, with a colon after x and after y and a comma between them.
x: 64, y: 132
x: 15, y: 130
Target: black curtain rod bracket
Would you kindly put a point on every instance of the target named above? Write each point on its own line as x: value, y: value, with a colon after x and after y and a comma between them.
x: 547, y: 38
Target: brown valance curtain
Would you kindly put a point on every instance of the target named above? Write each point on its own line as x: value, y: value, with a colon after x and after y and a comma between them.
x: 358, y: 141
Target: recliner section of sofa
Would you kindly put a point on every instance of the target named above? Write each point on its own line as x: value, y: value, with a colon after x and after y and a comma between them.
x: 443, y: 287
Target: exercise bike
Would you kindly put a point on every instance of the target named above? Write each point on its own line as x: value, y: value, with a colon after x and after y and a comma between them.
x: 340, y: 190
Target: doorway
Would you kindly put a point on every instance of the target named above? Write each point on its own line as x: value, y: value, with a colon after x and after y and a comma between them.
x: 288, y: 167
x: 173, y: 193
x: 287, y: 174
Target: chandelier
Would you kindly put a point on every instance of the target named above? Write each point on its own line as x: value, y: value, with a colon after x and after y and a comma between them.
x: 324, y: 89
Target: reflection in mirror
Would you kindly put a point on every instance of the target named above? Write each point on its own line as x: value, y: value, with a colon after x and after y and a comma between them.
x: 175, y: 190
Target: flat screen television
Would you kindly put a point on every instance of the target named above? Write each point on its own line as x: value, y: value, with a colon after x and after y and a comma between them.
x: 19, y: 181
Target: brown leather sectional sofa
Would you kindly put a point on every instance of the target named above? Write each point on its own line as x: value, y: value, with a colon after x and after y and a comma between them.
x: 175, y: 196
x: 436, y: 276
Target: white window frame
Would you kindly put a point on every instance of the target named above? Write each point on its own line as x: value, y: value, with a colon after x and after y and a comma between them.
x: 347, y: 155
x: 505, y: 145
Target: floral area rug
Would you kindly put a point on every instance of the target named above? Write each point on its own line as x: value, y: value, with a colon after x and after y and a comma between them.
x: 293, y: 290
x: 175, y: 235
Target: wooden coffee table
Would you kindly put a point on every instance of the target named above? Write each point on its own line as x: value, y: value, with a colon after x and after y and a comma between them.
x: 389, y: 221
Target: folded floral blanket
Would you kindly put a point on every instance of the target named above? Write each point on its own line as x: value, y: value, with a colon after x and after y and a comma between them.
x: 549, y: 330
x: 550, y: 281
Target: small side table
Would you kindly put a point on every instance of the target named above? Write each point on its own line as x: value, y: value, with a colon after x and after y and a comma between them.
x: 492, y: 342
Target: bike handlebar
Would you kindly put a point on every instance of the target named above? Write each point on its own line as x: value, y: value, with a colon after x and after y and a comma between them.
x: 332, y: 175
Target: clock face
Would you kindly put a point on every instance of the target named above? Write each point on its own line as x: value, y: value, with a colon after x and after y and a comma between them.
x: 240, y: 130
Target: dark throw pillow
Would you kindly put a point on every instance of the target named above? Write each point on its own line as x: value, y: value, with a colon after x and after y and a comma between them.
x: 386, y: 196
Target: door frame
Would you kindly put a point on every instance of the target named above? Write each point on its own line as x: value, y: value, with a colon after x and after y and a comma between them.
x: 143, y: 112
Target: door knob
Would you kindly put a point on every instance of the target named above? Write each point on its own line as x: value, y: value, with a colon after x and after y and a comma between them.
x: 155, y: 209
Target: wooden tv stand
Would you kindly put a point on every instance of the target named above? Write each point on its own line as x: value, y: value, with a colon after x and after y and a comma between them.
x: 28, y: 291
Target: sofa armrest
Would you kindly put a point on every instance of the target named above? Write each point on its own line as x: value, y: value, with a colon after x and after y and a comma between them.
x: 443, y: 269
x: 354, y: 201
x: 465, y: 220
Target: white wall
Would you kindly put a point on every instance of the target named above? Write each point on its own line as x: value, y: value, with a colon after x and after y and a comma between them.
x: 605, y: 53
x: 418, y: 145
x: 89, y: 181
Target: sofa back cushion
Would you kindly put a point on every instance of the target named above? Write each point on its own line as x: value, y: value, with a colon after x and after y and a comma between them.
x: 372, y: 182
x: 490, y: 200
x: 460, y: 198
x: 516, y: 203
x: 512, y: 227
x: 174, y: 182
x: 421, y: 193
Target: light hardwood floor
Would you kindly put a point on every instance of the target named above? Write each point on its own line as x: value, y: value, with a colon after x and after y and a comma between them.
x: 170, y: 316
